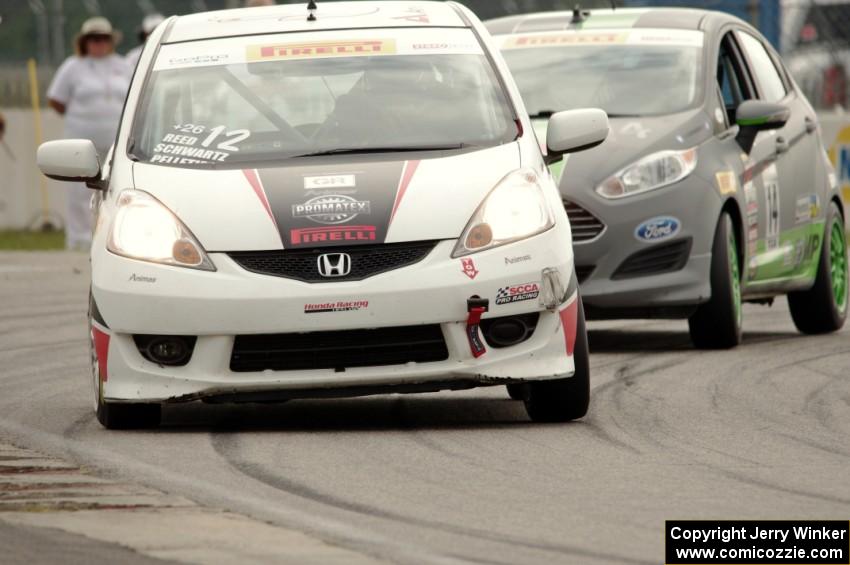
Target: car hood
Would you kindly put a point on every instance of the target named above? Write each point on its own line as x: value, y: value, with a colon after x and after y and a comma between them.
x: 330, y: 201
x: 628, y: 140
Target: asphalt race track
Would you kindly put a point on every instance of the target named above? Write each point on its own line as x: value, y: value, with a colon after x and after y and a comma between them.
x: 755, y: 433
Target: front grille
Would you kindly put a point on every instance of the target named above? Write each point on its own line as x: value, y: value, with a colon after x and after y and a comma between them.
x: 585, y: 226
x: 339, y: 349
x: 302, y: 264
x: 663, y: 258
x: 583, y: 272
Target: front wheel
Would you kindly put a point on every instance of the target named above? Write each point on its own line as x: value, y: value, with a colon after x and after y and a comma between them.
x: 717, y: 323
x: 562, y: 400
x: 823, y: 308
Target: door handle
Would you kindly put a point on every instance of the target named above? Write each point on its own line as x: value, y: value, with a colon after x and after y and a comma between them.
x: 811, y: 125
x: 781, y: 145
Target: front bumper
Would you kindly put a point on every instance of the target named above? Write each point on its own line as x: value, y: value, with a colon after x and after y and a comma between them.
x: 134, y: 297
x: 674, y: 292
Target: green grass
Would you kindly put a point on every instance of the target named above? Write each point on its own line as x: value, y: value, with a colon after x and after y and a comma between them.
x: 23, y: 240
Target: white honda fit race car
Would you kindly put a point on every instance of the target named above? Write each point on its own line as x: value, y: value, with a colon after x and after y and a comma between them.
x: 334, y: 202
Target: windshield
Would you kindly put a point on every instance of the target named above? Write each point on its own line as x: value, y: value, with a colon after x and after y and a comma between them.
x: 267, y: 98
x: 639, y: 72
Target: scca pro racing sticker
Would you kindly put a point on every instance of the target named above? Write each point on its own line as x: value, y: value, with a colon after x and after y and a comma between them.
x: 337, y: 306
x: 657, y: 229
x: 518, y: 293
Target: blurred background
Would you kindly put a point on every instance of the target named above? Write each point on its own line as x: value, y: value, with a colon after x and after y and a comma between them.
x: 35, y: 37
x: 812, y: 35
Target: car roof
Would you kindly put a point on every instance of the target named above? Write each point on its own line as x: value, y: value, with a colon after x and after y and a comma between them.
x: 664, y: 18
x: 329, y: 16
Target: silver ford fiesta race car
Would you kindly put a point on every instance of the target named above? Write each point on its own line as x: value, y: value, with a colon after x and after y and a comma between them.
x: 331, y: 202
x: 714, y: 186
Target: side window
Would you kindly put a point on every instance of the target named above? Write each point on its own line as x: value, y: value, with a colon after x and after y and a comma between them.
x: 783, y: 72
x: 731, y: 79
x: 772, y: 86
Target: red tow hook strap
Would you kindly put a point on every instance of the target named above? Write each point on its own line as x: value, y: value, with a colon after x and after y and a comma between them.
x: 476, y: 307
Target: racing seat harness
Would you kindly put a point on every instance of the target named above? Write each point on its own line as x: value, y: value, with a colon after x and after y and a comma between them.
x: 475, y: 306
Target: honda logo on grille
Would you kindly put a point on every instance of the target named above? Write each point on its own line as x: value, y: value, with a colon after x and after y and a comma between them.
x: 334, y: 264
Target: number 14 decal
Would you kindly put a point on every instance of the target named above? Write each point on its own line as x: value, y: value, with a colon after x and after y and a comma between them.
x: 771, y: 189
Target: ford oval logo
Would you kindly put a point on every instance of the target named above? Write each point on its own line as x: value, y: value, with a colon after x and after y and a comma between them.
x: 656, y: 229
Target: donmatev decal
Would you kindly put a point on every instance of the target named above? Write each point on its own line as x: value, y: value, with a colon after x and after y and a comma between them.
x: 354, y: 200
x: 331, y: 209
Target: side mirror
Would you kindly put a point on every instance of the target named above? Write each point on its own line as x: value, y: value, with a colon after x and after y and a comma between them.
x: 754, y: 116
x: 575, y: 130
x: 72, y: 160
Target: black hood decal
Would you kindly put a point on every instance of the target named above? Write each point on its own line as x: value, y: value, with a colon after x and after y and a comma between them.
x: 330, y: 205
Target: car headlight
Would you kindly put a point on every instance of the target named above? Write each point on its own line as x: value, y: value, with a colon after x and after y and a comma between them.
x: 145, y: 229
x: 654, y: 171
x: 515, y: 209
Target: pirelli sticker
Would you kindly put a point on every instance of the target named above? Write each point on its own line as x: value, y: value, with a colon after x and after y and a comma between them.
x: 678, y: 37
x: 321, y: 49
x: 547, y: 40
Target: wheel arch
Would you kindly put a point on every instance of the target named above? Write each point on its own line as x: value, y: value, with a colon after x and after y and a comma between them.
x: 837, y: 199
x: 731, y: 207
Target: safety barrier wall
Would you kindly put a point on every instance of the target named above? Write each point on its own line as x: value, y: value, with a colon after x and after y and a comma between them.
x: 20, y: 181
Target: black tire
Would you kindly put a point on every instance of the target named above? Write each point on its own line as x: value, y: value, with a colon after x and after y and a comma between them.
x: 717, y: 323
x: 562, y: 400
x: 118, y: 416
x: 818, y: 310
x: 517, y: 391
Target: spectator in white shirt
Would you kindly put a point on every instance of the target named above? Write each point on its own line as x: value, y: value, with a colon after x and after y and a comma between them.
x: 89, y: 90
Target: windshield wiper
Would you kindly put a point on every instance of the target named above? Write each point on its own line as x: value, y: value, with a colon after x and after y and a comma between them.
x: 388, y: 149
